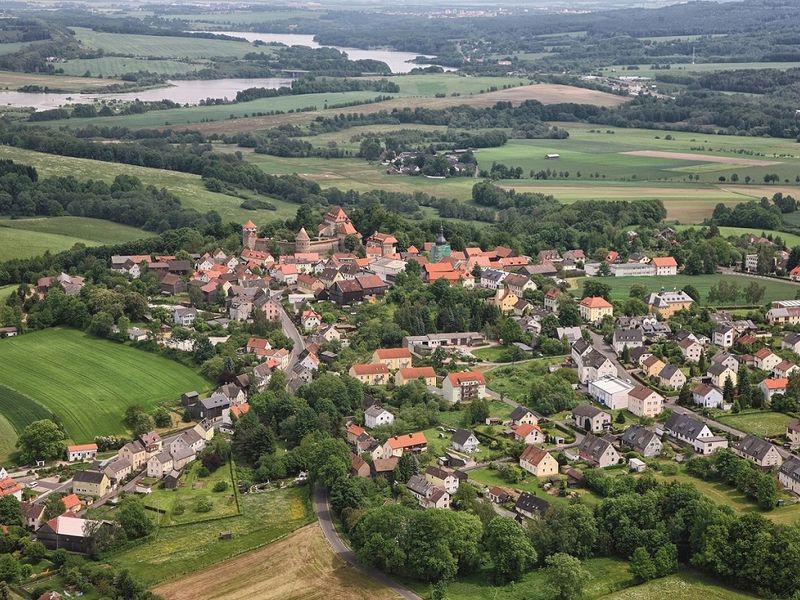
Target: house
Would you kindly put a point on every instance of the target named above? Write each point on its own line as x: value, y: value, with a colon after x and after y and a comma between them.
x: 627, y: 338
x: 527, y: 434
x: 707, y: 396
x: 521, y: 415
x: 784, y: 369
x: 551, y: 299
x: 151, y: 442
x: 464, y: 441
x: 631, y: 269
x: 136, y: 334
x: 497, y: 495
x: 71, y: 503
x: 32, y: 514
x: 68, y: 532
x: 384, y: 467
x: 182, y: 457
x: 370, y: 374
x: 610, y: 391
x: 505, y: 300
x: 724, y: 335
x: 492, y: 279
x: 9, y: 487
x: 690, y: 431
x: 666, y: 304
x: 691, y: 349
x: 727, y: 359
x: 793, y: 433
x: 770, y: 387
x: 211, y: 407
x: 410, y: 442
x: 118, y: 470
x: 644, y: 402
x: 598, y: 451
x: 591, y: 418
x: 90, y: 483
x: 538, y: 462
x: 665, y: 265
x: 766, y: 360
x: 530, y: 506
x: 464, y: 386
x: 642, y: 440
x: 652, y: 366
x: 159, y: 465
x: 519, y: 284
x: 82, y: 452
x: 757, y: 451
x: 183, y: 315
x: 593, y: 366
x: 407, y: 375
x: 791, y: 342
x: 671, y: 377
x: 359, y: 467
x: 427, y: 494
x: 310, y: 320
x: 442, y: 478
x: 393, y: 358
x: 377, y: 416
x: 720, y: 373
x: 594, y: 308
x: 789, y: 474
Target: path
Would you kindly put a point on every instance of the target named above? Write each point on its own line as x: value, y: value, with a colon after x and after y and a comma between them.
x: 323, y: 512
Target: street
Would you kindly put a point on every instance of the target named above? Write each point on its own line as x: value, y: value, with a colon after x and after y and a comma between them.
x: 290, y: 330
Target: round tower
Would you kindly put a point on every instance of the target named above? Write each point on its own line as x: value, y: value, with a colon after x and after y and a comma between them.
x: 302, y: 243
x: 249, y: 235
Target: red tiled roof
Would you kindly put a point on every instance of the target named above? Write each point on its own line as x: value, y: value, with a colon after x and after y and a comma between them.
x: 416, y: 372
x: 389, y: 353
x: 776, y: 384
x: 408, y: 440
x: 664, y: 261
x: 533, y: 455
x: 370, y: 369
x: 458, y: 378
x: 81, y: 447
x: 8, y: 487
x: 595, y: 302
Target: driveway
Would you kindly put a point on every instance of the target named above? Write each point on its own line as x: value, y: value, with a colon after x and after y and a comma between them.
x: 606, y: 350
x: 323, y: 512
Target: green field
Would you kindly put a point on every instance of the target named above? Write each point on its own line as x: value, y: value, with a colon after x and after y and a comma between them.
x: 762, y: 423
x: 514, y: 381
x: 189, y: 188
x: 86, y: 382
x: 530, y: 484
x: 677, y: 69
x: 452, y: 83
x: 183, y: 549
x: 790, y: 239
x: 114, y: 66
x: 161, y: 46
x: 685, y: 585
x: 6, y: 291
x: 775, y: 290
x: 8, y: 439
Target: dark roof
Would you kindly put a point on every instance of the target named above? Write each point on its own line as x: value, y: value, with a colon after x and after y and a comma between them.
x: 580, y: 346
x: 684, y: 425
x: 460, y: 436
x: 89, y: 476
x: 587, y: 410
x: 594, y: 359
x: 529, y: 503
x: 791, y: 468
x: 668, y: 371
x: 753, y: 446
x: 628, y: 335
x: 216, y: 400
x: 637, y: 353
x: 520, y: 412
x: 718, y: 369
x: 638, y: 437
x: 419, y: 485
x: 593, y: 447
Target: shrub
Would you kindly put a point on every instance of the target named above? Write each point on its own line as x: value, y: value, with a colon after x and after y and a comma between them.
x: 179, y: 510
x: 203, y: 471
x: 220, y: 486
x: 203, y: 506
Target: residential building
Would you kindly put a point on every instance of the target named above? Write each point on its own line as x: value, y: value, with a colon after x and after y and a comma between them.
x: 464, y: 386
x: 527, y: 434
x: 538, y: 462
x: 611, y: 392
x: 593, y: 366
x: 644, y: 402
x: 426, y: 374
x: 665, y: 265
x: 551, y: 299
x: 370, y: 374
x: 720, y: 373
x: 81, y: 452
x: 793, y: 433
x: 707, y: 396
x: 652, y: 366
x: 464, y: 441
x: 377, y: 416
x: 442, y: 478
x: 724, y: 335
x: 410, y: 442
x: 598, y: 451
x: 671, y: 377
x: 766, y: 360
x: 757, y: 451
x: 159, y: 464
x: 427, y: 494
x: 695, y: 433
x: 530, y: 506
x: 68, y: 532
x: 90, y: 483
x: 771, y: 387
x: 642, y: 440
x: 359, y: 467
x: 666, y: 304
x: 789, y: 475
x: 791, y: 342
x: 521, y: 415
x: 393, y: 358
x: 627, y: 338
x: 784, y: 369
x: 32, y: 514
x: 9, y: 487
x: 497, y: 495
x: 590, y: 418
x: 691, y: 349
x: 594, y: 308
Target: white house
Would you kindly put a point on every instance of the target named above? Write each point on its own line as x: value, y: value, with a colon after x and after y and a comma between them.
x: 464, y: 441
x: 611, y: 391
x: 376, y: 416
x: 707, y: 396
x: 695, y: 433
x: 724, y: 336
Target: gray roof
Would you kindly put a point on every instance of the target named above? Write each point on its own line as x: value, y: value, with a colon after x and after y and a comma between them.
x: 587, y: 410
x: 120, y: 464
x: 89, y: 476
x: 791, y: 468
x: 191, y: 437
x: 684, y: 425
x: 668, y: 371
x: 134, y: 447
x: 162, y: 457
x: 628, y: 335
x: 594, y: 359
x: 520, y: 412
x: 593, y: 447
x: 792, y: 339
x: 753, y: 446
x: 182, y: 453
x: 718, y: 369
x: 375, y: 410
x: 216, y: 400
x: 580, y: 346
x: 418, y: 484
x: 460, y: 436
x: 492, y: 274
x: 638, y: 437
x: 529, y: 503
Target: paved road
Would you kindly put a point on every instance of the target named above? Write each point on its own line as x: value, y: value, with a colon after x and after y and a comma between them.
x: 606, y: 350
x: 323, y: 512
x: 291, y: 331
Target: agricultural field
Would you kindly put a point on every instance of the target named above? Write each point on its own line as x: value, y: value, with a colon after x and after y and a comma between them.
x: 188, y: 187
x: 114, y: 66
x: 775, y: 289
x: 452, y: 83
x: 86, y: 382
x: 160, y: 46
x: 10, y: 80
x: 298, y: 567
x: 8, y: 438
x: 17, y: 243
x: 762, y: 423
x: 181, y: 550
x: 678, y: 69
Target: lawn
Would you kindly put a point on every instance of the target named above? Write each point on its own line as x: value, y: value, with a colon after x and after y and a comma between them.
x: 775, y: 289
x: 530, y: 484
x: 758, y: 422
x: 86, y: 382
x: 188, y: 187
x: 684, y: 585
x: 184, y: 549
x: 492, y: 353
x: 514, y: 381
x: 8, y: 437
x: 191, y: 490
x: 298, y: 567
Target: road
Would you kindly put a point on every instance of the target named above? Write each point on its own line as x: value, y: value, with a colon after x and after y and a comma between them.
x: 323, y: 512
x: 291, y: 331
x: 606, y: 350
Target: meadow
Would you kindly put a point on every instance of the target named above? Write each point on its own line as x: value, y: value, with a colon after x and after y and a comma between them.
x: 677, y: 69
x: 114, y: 66
x: 684, y: 585
x: 188, y: 187
x: 513, y: 381
x: 759, y: 422
x: 775, y: 289
x: 12, y: 80
x: 86, y: 382
x: 178, y: 551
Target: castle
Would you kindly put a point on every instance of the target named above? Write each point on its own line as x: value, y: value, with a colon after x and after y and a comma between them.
x: 331, y: 234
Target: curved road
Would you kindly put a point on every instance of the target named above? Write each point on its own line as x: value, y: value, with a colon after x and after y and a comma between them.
x: 323, y: 512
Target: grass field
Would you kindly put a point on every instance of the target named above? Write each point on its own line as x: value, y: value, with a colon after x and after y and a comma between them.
x: 8, y: 438
x: 185, y: 549
x: 488, y: 477
x: 161, y: 46
x: 684, y: 585
x: 299, y: 567
x: 6, y: 291
x: 189, y: 188
x: 775, y: 290
x: 16, y: 243
x: 514, y: 381
x: 86, y: 382
x: 114, y: 66
x: 677, y: 69
x: 12, y: 80
x: 760, y: 423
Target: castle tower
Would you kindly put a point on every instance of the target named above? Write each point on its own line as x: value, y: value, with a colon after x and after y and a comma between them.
x: 249, y: 235
x: 302, y: 243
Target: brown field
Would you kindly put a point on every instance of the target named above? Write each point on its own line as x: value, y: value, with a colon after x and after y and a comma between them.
x: 13, y: 81
x: 301, y: 566
x: 546, y: 93
x: 729, y: 160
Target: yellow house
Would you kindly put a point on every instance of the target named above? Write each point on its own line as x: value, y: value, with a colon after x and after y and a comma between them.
x: 666, y: 304
x: 594, y: 308
x: 427, y: 374
x: 90, y: 483
x: 370, y: 374
x: 538, y: 462
x: 652, y: 366
x: 393, y: 358
x: 505, y: 299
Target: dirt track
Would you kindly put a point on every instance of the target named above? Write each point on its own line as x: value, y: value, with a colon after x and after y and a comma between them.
x: 546, y: 93
x: 301, y: 566
x: 728, y: 160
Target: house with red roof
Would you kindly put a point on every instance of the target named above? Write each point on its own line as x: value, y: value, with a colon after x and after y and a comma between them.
x: 464, y: 386
x: 594, y: 308
x: 83, y: 452
x: 393, y: 358
x: 9, y: 487
x: 370, y: 374
x: 771, y: 387
x: 665, y: 265
x: 410, y: 442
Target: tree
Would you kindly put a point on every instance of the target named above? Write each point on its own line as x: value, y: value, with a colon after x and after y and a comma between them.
x: 642, y: 566
x: 464, y: 498
x: 592, y: 287
x: 640, y: 291
x: 665, y: 560
x: 133, y: 519
x: 5, y: 593
x: 728, y: 391
x: 9, y: 569
x: 510, y: 549
x: 252, y: 439
x: 10, y: 511
x: 101, y: 324
x: 626, y: 355
x: 604, y: 270
x: 477, y: 411
x: 565, y: 576
x: 701, y: 362
x: 407, y: 466
x: 41, y: 440
x: 569, y: 315
x: 753, y: 292
x: 439, y: 590
x: 53, y: 506
x: 685, y: 395
x: 620, y: 418
x: 35, y: 552
x: 692, y: 291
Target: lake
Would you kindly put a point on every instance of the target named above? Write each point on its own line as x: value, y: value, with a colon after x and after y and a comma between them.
x: 399, y: 62
x: 181, y: 91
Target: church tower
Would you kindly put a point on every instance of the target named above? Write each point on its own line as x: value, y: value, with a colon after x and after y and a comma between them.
x: 441, y: 249
x: 249, y: 235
